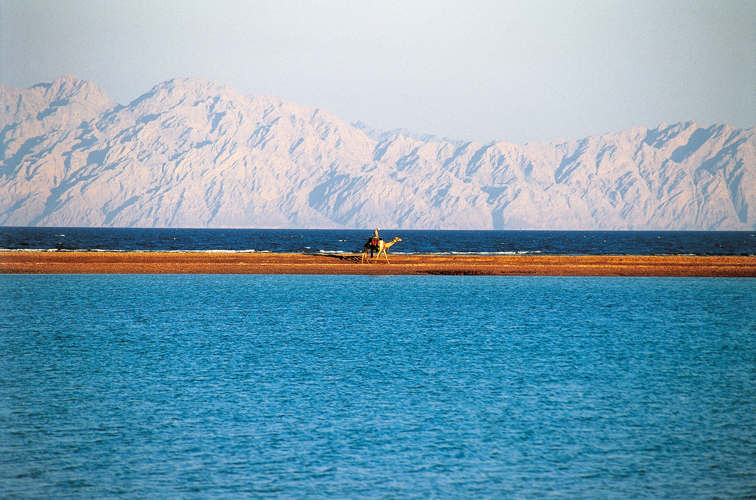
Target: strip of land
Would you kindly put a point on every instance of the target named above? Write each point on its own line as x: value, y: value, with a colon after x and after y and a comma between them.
x: 455, y: 265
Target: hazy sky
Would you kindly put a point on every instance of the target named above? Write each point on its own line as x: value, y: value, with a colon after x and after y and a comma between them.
x: 518, y: 71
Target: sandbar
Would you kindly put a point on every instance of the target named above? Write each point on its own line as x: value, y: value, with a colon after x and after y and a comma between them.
x: 63, y: 262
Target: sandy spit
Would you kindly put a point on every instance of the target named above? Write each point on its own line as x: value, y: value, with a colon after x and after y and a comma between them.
x: 458, y: 265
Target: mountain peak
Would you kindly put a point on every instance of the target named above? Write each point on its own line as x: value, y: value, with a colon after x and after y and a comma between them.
x: 195, y: 85
x: 68, y: 87
x: 65, y: 102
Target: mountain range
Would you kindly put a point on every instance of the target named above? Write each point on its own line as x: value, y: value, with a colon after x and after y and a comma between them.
x: 195, y: 153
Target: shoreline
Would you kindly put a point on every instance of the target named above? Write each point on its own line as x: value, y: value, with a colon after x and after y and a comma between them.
x: 33, y: 262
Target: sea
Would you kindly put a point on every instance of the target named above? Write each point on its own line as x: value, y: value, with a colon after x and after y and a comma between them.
x: 309, y: 241
x: 376, y: 387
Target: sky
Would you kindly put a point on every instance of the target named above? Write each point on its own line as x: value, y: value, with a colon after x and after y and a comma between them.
x: 515, y: 71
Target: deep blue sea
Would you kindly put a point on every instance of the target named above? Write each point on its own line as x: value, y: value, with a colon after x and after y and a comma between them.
x: 391, y: 387
x: 413, y: 241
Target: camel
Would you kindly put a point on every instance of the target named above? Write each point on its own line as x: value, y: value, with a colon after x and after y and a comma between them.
x: 382, y: 247
x: 372, y: 247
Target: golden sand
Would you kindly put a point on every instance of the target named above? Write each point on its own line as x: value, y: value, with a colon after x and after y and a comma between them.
x: 462, y: 265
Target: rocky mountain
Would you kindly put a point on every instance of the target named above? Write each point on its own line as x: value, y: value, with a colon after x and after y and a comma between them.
x: 194, y: 153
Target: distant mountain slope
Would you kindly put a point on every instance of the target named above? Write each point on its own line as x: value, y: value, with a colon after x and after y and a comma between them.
x: 194, y: 153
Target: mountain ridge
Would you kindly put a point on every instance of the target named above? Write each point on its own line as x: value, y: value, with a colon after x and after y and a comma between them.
x: 194, y: 153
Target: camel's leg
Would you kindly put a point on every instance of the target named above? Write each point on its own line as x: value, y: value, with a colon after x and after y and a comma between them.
x: 384, y: 254
x: 365, y: 252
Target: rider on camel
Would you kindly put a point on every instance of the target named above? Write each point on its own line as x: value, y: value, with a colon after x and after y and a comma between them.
x: 375, y: 239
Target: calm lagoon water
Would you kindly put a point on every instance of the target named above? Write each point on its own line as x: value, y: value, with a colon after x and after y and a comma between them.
x: 134, y: 386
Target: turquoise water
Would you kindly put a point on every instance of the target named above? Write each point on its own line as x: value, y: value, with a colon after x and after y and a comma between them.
x: 129, y: 386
